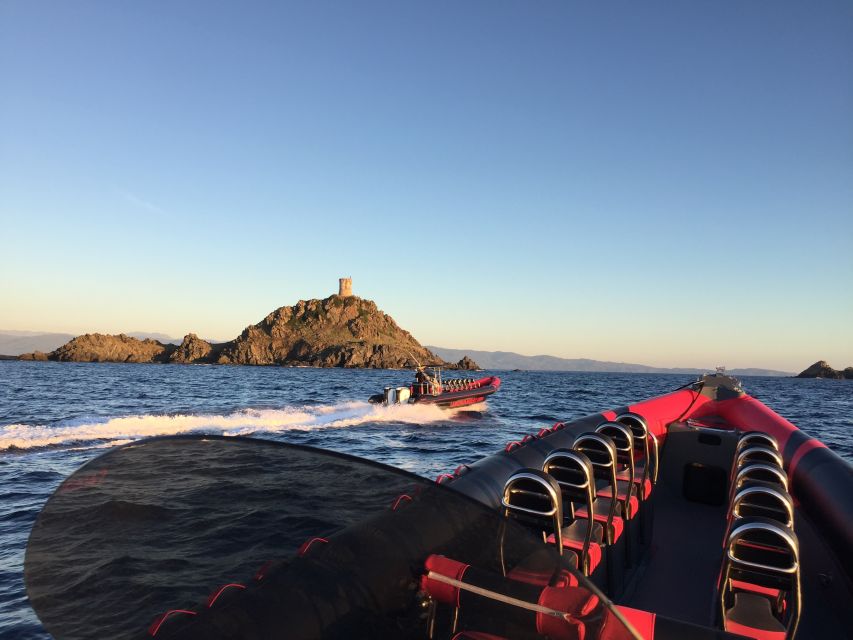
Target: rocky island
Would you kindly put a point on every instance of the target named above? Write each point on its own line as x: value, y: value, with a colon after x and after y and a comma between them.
x: 821, y: 369
x: 342, y: 330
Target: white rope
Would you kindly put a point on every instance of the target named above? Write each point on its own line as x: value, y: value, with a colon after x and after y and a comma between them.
x: 494, y: 595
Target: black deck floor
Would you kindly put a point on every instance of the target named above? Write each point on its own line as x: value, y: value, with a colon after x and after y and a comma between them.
x: 678, y: 573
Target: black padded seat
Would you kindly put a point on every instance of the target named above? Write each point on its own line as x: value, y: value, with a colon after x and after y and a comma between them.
x: 752, y: 611
x: 574, y: 537
x: 577, y: 531
x: 759, y: 589
x: 603, y: 493
x: 534, y: 499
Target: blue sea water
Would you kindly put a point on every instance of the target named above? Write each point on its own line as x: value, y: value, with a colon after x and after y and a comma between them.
x: 56, y: 416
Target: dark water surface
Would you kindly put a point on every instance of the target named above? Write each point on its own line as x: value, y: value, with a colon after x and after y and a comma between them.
x: 56, y: 416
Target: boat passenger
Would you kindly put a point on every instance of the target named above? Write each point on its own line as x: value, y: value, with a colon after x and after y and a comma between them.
x: 427, y: 381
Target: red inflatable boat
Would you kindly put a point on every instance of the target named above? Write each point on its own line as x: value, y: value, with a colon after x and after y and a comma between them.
x: 698, y: 514
x: 433, y: 389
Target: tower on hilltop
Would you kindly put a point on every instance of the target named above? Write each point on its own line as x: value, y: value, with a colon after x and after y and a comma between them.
x: 345, y: 287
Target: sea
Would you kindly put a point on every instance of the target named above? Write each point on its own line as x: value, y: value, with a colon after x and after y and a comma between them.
x: 54, y: 417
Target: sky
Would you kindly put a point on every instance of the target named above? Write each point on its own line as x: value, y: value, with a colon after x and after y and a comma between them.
x: 669, y: 183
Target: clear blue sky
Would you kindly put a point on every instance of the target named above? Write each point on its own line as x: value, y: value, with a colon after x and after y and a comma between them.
x: 659, y: 182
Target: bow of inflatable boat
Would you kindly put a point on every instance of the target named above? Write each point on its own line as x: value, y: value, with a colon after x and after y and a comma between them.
x: 697, y: 514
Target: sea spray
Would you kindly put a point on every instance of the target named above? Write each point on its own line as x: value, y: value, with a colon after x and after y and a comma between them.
x: 87, y: 432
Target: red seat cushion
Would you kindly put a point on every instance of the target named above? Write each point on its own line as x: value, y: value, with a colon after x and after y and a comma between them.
x: 757, y: 634
x: 754, y: 588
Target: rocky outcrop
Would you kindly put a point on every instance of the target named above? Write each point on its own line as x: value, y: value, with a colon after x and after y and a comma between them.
x: 97, y: 347
x: 821, y: 369
x: 467, y: 364
x: 35, y: 355
x: 334, y: 332
x: 192, y: 350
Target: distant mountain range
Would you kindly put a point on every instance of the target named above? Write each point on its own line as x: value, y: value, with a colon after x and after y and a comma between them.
x: 508, y: 360
x: 14, y: 343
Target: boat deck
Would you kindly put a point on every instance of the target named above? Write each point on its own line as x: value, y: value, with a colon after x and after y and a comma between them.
x: 678, y: 574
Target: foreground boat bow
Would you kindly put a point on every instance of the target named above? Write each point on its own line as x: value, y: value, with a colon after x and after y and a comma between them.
x: 699, y: 514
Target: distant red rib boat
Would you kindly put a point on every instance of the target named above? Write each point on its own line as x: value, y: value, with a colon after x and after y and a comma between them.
x: 431, y: 389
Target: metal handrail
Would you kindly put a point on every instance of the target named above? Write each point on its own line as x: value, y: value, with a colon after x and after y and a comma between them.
x: 765, y: 452
x: 650, y: 443
x: 744, y: 472
x: 750, y: 437
x: 783, y: 498
x: 556, y: 511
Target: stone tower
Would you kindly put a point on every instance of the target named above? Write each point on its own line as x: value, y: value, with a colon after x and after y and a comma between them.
x: 345, y: 287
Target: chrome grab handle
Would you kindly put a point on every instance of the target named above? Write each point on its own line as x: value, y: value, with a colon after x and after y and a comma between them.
x: 572, y: 484
x: 756, y: 438
x: 764, y: 567
x: 535, y: 512
x: 783, y: 498
x: 764, y: 451
x: 760, y: 466
x: 782, y: 533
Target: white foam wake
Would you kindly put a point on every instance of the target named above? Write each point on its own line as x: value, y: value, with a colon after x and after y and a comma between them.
x: 245, y: 422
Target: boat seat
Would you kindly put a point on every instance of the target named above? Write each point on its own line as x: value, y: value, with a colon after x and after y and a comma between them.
x: 753, y: 617
x: 645, y: 446
x: 575, y: 542
x: 763, y: 500
x: 646, y: 466
x: 759, y: 591
x: 605, y: 493
x: 601, y: 452
x: 643, y: 486
x: 578, y: 529
x: 626, y: 490
x: 575, y: 476
x: 617, y: 525
x: 534, y: 499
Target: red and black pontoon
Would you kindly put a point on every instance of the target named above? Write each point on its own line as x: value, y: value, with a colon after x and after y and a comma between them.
x: 697, y: 514
x: 432, y: 389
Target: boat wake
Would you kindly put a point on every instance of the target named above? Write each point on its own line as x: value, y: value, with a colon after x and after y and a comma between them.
x: 88, y: 433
